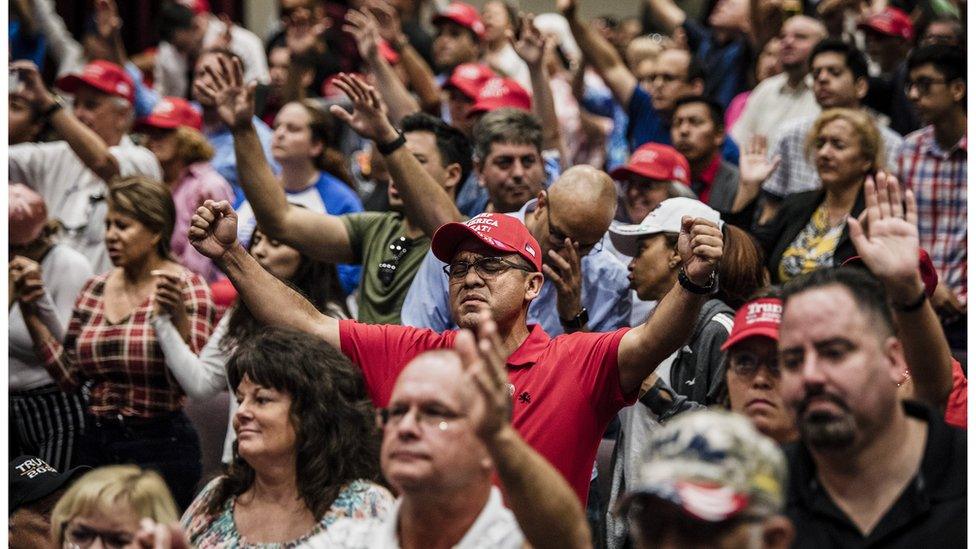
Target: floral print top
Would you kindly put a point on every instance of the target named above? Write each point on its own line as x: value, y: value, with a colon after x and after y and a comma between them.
x: 359, y: 499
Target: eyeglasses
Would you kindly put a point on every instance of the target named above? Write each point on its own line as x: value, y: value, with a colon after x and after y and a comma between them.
x: 387, y: 269
x: 746, y: 364
x: 922, y: 84
x: 486, y: 267
x: 557, y: 238
x: 432, y: 418
x: 82, y: 537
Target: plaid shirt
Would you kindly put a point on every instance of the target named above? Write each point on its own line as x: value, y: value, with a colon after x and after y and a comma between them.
x: 124, y: 361
x: 938, y: 179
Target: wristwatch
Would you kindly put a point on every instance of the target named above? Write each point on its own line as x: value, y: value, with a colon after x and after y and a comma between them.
x: 710, y: 289
x: 387, y: 148
x: 52, y: 108
x: 576, y: 323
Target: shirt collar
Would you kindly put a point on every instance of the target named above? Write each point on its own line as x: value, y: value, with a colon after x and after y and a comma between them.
x: 932, y: 145
x: 526, y: 208
x: 708, y: 174
x: 531, y: 349
x: 805, y: 84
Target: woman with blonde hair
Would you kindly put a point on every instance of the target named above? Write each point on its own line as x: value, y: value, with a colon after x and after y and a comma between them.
x: 809, y: 231
x: 173, y: 135
x: 135, y: 408
x: 108, y: 504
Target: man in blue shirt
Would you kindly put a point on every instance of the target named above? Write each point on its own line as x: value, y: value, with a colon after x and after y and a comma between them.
x: 586, y: 287
x: 676, y: 73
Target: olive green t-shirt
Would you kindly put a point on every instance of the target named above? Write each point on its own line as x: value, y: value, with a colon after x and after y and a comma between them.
x: 370, y: 237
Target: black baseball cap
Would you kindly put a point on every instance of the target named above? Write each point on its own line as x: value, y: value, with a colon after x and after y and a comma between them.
x: 32, y: 478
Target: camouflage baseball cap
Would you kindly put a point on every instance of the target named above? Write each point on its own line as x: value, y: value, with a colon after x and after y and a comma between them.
x: 714, y: 465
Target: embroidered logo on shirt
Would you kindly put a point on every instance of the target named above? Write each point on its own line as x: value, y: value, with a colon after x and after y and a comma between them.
x: 525, y: 397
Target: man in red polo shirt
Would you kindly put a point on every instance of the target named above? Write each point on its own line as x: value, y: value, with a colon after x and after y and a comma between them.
x: 565, y: 390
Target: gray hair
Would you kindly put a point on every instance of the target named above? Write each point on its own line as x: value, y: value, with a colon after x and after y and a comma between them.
x: 506, y: 126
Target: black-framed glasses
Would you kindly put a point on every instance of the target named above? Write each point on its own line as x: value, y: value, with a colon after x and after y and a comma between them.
x: 557, y: 238
x: 487, y: 268
x: 82, y: 537
x: 433, y: 418
x: 747, y: 363
x: 923, y: 85
x: 388, y: 268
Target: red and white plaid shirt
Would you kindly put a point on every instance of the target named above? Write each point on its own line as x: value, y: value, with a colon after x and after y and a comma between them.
x: 124, y: 360
x: 938, y: 178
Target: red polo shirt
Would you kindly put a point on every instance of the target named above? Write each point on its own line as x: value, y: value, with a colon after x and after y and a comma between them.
x: 567, y: 389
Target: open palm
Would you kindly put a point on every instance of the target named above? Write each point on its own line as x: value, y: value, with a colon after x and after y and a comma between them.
x: 233, y: 100
x: 886, y: 235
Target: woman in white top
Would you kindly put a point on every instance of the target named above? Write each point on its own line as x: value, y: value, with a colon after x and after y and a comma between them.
x: 44, y: 421
x: 205, y: 376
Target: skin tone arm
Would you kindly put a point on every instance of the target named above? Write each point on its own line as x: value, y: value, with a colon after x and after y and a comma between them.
x: 644, y: 347
x: 213, y: 232
x: 667, y: 14
x: 886, y: 238
x: 85, y: 143
x: 600, y: 54
x: 320, y: 236
x: 532, y: 48
x: 546, y: 508
x: 419, y: 74
x: 363, y: 26
x: 425, y: 203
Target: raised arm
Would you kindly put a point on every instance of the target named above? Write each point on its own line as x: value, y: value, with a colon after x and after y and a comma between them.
x: 886, y: 238
x: 532, y: 48
x: 546, y: 508
x: 644, y: 347
x: 317, y: 235
x: 213, y: 232
x: 425, y: 202
x: 62, y: 46
x: 203, y: 376
x: 600, y: 54
x: 667, y: 14
x: 85, y: 143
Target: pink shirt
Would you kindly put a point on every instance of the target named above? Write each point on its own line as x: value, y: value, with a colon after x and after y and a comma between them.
x: 200, y: 182
x: 565, y: 390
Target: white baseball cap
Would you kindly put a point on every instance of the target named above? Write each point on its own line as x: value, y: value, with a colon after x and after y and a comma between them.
x: 666, y: 218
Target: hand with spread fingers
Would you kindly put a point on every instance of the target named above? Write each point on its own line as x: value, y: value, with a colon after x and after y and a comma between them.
x: 303, y: 34
x: 226, y: 91
x: 388, y: 22
x: 364, y: 28
x: 368, y: 117
x: 754, y: 166
x: 700, y: 248
x: 484, y: 366
x: 565, y: 271
x: 32, y: 88
x: 25, y: 280
x: 530, y: 45
x: 886, y: 236
x: 213, y: 229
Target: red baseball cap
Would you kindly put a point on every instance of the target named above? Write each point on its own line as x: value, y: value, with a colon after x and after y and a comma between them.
x: 892, y: 22
x: 500, y: 232
x: 463, y: 14
x: 469, y: 78
x: 499, y: 93
x: 103, y: 76
x: 926, y: 268
x: 198, y: 6
x: 655, y: 161
x: 173, y: 112
x: 757, y: 318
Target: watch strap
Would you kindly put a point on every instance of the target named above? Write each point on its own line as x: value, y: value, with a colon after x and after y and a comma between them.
x: 576, y: 323
x: 388, y: 148
x: 687, y: 284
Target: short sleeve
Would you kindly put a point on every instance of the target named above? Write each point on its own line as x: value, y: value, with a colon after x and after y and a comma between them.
x: 426, y: 304
x: 135, y: 160
x: 596, y: 354
x: 357, y: 225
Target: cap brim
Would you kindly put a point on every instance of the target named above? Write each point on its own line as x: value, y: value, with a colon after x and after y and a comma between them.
x: 707, y: 504
x: 49, y: 486
x: 469, y: 91
x: 150, y: 122
x: 449, y: 237
x: 625, y: 237
x: 768, y: 332
x: 624, y: 172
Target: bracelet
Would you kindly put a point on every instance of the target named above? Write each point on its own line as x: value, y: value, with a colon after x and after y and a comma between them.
x: 387, y: 148
x: 48, y: 112
x: 576, y: 323
x: 687, y: 284
x: 910, y: 307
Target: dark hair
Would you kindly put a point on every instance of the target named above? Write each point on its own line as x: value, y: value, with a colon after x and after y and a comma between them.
x: 506, y: 125
x: 854, y: 59
x: 172, y: 17
x: 696, y: 69
x: 742, y: 270
x: 948, y: 60
x: 866, y: 291
x: 715, y: 111
x: 337, y: 440
x: 317, y: 281
x: 951, y: 20
x: 453, y: 145
x: 325, y: 129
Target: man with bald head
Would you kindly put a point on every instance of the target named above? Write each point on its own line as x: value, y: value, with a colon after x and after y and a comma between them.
x: 586, y: 286
x: 789, y: 95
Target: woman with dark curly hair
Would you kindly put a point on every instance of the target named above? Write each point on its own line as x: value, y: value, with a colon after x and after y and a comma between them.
x: 307, y: 450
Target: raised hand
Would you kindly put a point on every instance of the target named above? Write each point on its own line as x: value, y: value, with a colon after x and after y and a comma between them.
x: 700, y: 248
x: 388, y: 21
x: 568, y: 278
x: 25, y: 280
x: 754, y: 166
x: 108, y: 24
x: 303, y: 32
x: 364, y: 28
x: 368, y: 117
x: 32, y: 87
x: 484, y: 366
x: 225, y: 90
x: 530, y: 45
x: 886, y: 235
x: 213, y: 229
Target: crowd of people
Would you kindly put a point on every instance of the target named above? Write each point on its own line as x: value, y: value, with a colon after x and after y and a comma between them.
x: 474, y: 277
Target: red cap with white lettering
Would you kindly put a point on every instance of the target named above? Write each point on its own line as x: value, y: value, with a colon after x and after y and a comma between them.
x: 500, y: 93
x: 104, y: 76
x: 500, y: 232
x: 757, y: 318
